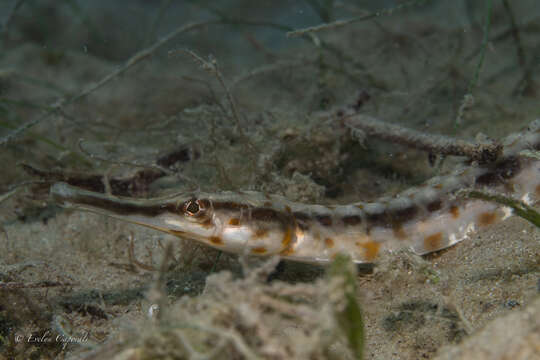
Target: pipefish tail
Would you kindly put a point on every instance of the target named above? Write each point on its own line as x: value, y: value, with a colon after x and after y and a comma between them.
x: 425, y: 218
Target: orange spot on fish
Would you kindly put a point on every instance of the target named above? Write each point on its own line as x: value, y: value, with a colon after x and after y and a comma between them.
x: 486, y: 218
x: 433, y: 242
x: 287, y: 237
x: 234, y: 222
x: 371, y: 250
x: 329, y: 242
x: 216, y: 240
x: 288, y: 251
x: 259, y: 250
x: 454, y: 210
x: 260, y: 232
x: 399, y: 233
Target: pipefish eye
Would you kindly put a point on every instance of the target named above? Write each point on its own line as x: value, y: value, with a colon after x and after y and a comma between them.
x: 195, y: 207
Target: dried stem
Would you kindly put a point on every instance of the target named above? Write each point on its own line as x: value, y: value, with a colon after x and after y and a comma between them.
x: 211, y: 66
x: 436, y: 144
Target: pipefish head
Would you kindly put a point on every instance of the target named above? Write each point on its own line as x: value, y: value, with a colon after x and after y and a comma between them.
x: 186, y: 216
x: 191, y: 217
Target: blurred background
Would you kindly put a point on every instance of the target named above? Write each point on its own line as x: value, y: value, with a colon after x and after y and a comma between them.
x: 145, y: 97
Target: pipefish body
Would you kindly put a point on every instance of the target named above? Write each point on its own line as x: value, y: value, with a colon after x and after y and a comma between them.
x: 425, y: 218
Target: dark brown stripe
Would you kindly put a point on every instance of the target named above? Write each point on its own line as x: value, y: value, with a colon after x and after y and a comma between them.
x: 325, y: 220
x: 119, y: 207
x: 266, y: 214
x: 301, y: 216
x: 377, y: 219
x: 301, y: 219
x: 229, y: 205
x: 500, y: 172
x: 352, y: 220
x: 434, y: 205
x: 392, y: 218
x: 302, y: 225
x: 403, y: 215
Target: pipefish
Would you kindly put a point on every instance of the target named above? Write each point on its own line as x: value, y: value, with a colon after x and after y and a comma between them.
x: 426, y: 218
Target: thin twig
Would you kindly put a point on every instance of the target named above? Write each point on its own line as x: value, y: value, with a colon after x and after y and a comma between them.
x: 161, y: 280
x: 154, y: 166
x: 363, y: 17
x: 437, y: 144
x: 158, y: 19
x: 485, y: 40
x: 515, y: 34
x: 38, y: 284
x: 135, y: 59
x: 133, y: 259
x: 266, y: 69
x: 118, y: 162
x: 3, y: 31
x: 332, y: 25
x: 526, y: 82
x: 211, y: 66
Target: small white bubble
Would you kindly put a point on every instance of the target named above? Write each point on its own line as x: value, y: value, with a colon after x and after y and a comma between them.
x: 153, y: 310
